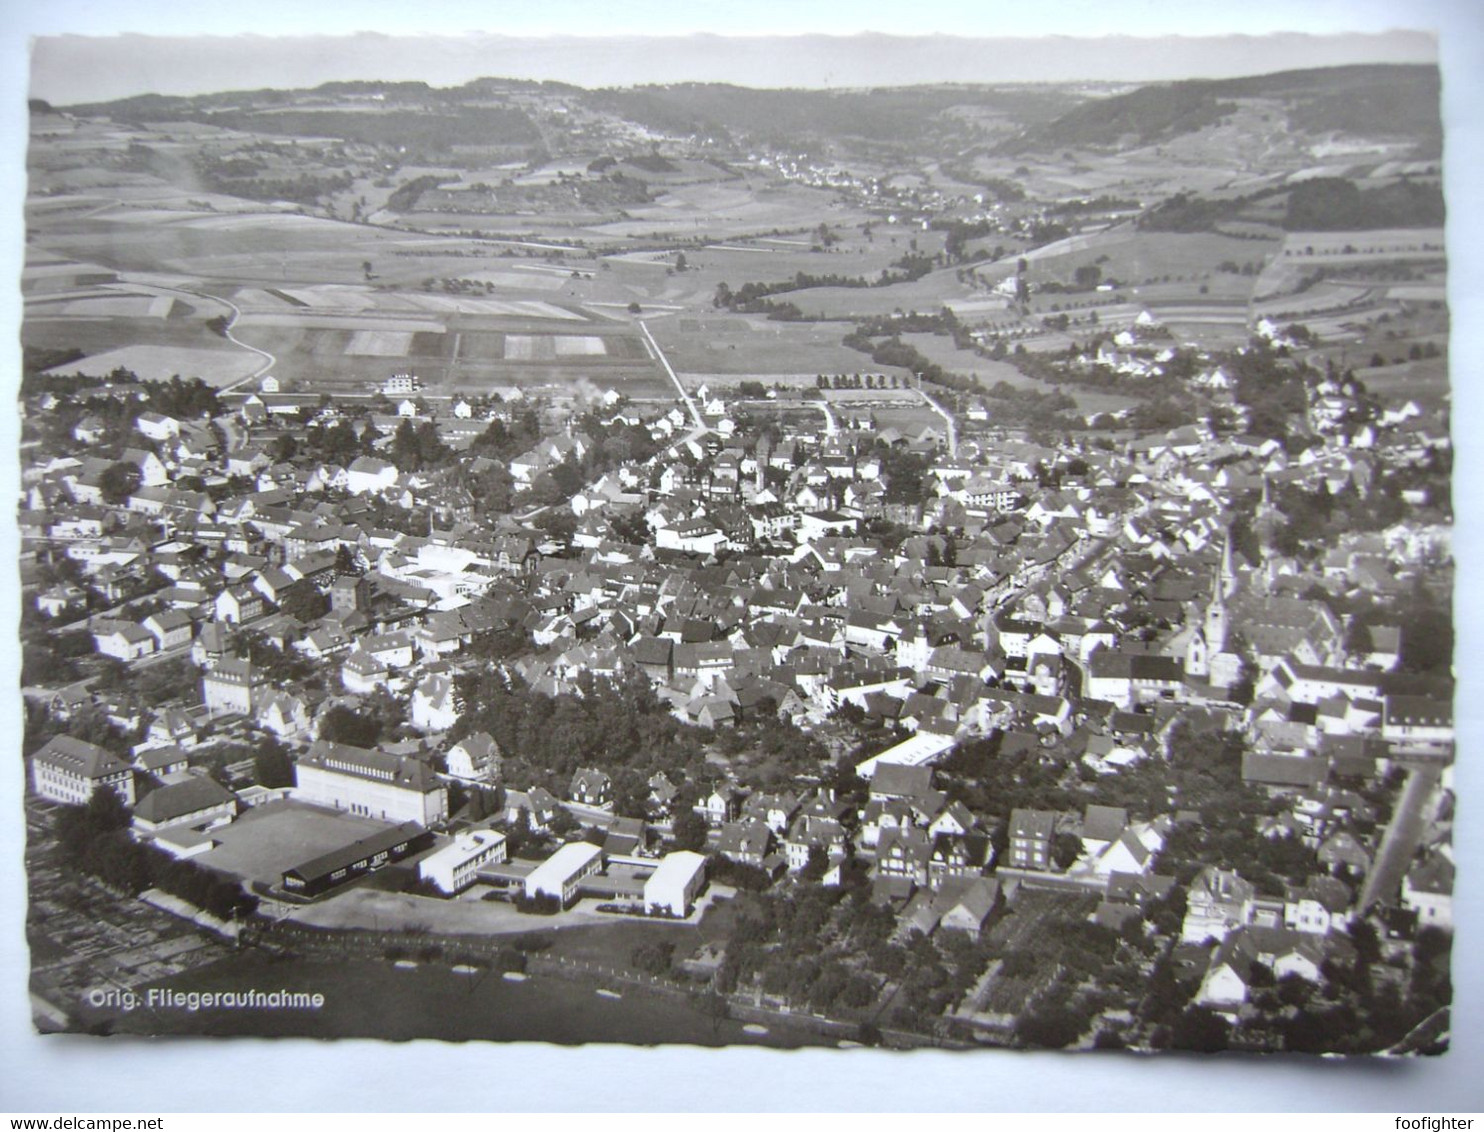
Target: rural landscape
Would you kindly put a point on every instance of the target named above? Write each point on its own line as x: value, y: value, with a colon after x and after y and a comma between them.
x: 922, y: 566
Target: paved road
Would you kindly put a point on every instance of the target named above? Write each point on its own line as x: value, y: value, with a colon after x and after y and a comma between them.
x: 947, y: 419
x: 690, y: 404
x: 1408, y: 824
x: 268, y: 359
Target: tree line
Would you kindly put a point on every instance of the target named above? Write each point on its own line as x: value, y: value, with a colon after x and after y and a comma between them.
x: 94, y: 839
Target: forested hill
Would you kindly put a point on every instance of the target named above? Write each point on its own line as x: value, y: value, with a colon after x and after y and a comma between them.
x: 493, y: 110
x: 884, y: 114
x: 1371, y: 101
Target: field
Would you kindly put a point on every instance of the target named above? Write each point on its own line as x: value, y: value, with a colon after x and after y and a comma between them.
x: 128, y: 259
x: 1137, y: 259
x: 1425, y: 382
x: 763, y: 349
x: 159, y: 363
x: 451, y: 355
x: 146, y: 329
x: 940, y: 349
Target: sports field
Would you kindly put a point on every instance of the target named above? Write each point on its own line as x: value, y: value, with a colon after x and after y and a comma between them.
x: 269, y: 839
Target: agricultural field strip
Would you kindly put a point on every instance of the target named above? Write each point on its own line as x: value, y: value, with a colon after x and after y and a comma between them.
x: 333, y: 301
x: 159, y: 363
x: 380, y: 343
x: 326, y: 321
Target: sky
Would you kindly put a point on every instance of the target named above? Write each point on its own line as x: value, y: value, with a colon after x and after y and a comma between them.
x: 77, y: 1075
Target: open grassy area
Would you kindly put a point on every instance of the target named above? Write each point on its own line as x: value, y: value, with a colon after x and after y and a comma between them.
x: 611, y: 944
x: 940, y: 348
x: 1425, y: 382
x: 1135, y: 257
x: 767, y: 347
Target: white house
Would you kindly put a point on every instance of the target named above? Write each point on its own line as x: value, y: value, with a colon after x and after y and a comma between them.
x: 361, y: 673
x: 455, y: 866
x: 560, y: 874
x: 672, y: 888
x: 434, y: 703
x: 231, y: 688
x: 68, y: 770
x: 368, y: 475
x: 1428, y: 890
x: 123, y: 640
x: 1218, y: 901
x: 475, y: 758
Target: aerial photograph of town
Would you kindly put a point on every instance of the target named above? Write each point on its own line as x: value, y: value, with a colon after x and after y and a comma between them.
x: 961, y: 565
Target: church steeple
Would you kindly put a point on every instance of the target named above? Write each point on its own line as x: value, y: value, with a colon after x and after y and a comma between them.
x: 1222, y: 584
x: 1215, y: 627
x: 1226, y: 582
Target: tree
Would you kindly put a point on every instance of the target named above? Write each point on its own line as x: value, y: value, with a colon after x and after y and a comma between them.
x: 303, y: 601
x: 272, y: 766
x: 680, y: 262
x: 1201, y: 1030
x: 690, y: 831
x: 346, y: 562
x: 816, y: 865
x: 118, y: 482
x: 713, y: 1006
x: 1065, y: 849
x: 518, y: 835
x: 653, y: 958
x: 342, y: 725
x: 1051, y: 1024
x: 563, y: 823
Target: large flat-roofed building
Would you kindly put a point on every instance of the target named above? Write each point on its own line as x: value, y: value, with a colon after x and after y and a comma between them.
x: 454, y: 867
x: 68, y: 770
x: 561, y: 873
x: 672, y: 888
x: 370, y: 783
x: 367, y: 854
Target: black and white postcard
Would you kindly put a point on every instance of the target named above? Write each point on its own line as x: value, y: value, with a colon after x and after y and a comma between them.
x: 807, y: 541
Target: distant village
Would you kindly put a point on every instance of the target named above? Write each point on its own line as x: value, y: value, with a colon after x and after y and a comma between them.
x: 943, y: 682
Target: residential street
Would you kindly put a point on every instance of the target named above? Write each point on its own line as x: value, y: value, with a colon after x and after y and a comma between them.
x: 1408, y: 824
